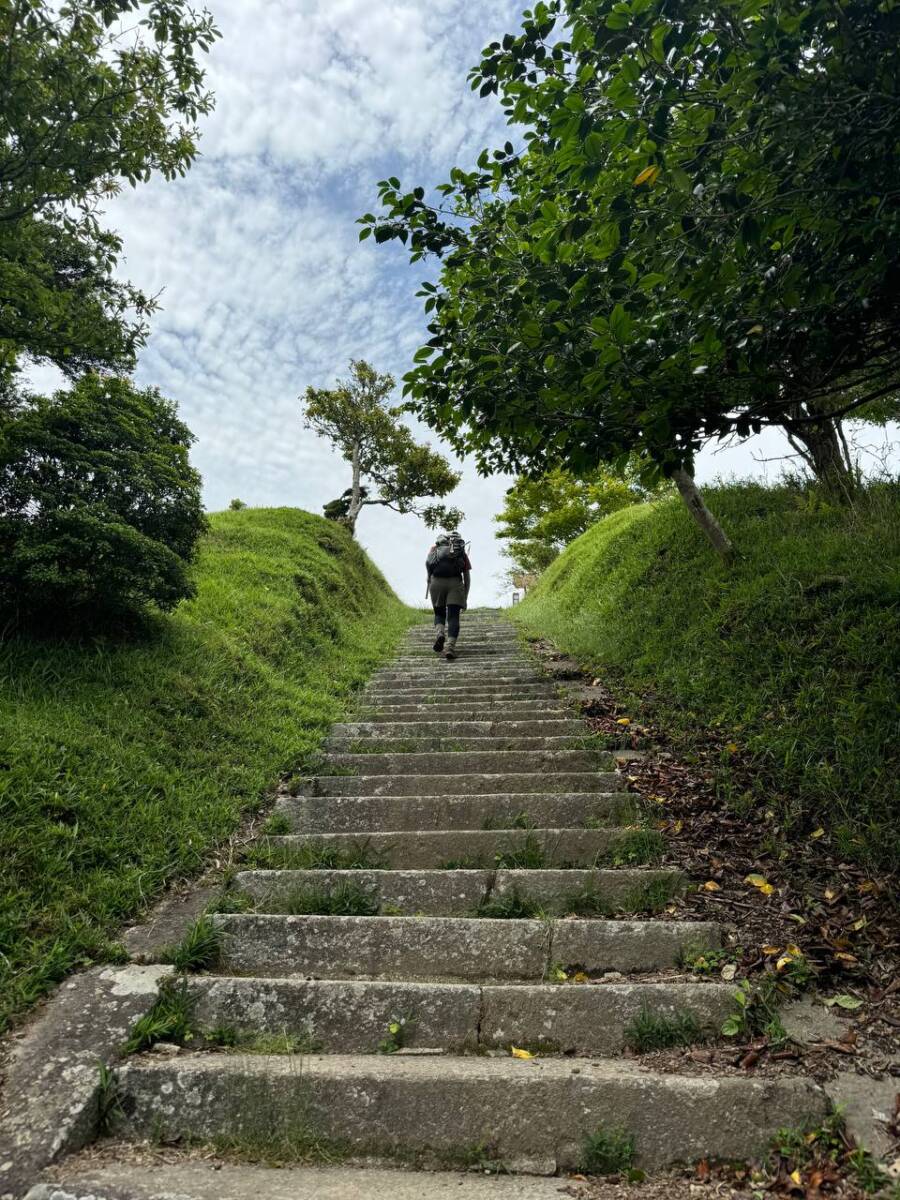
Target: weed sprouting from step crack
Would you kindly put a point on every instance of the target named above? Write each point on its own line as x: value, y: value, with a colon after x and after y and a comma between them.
x: 231, y: 901
x: 343, y: 899
x: 607, y: 1151
x: 649, y: 1030
x: 647, y: 897
x: 756, y: 1012
x: 109, y: 1101
x: 397, y: 1035
x: 293, y: 1142
x: 278, y: 823
x: 510, y: 906
x: 635, y: 847
x: 169, y: 1020
x: 199, y: 950
x: 529, y: 855
x: 284, y: 1042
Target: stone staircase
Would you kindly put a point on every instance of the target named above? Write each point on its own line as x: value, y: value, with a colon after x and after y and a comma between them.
x: 463, y: 795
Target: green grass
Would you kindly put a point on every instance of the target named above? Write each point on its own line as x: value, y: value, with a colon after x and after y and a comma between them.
x: 344, y: 899
x: 123, y: 763
x: 315, y: 855
x: 199, y: 949
x: 169, y: 1020
x: 511, y: 906
x: 648, y: 1030
x: 792, y: 654
x: 607, y: 1151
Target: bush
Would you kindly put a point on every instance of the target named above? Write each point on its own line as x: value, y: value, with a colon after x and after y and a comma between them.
x: 100, y: 509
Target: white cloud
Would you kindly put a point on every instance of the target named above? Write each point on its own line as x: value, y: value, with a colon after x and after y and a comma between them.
x: 265, y: 286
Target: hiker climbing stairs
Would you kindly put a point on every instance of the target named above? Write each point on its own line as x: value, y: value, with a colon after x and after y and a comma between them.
x: 466, y: 886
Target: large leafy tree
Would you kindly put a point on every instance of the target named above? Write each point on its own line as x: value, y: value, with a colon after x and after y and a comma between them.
x: 541, y: 516
x: 100, y: 509
x: 388, y: 467
x: 93, y: 94
x: 698, y: 237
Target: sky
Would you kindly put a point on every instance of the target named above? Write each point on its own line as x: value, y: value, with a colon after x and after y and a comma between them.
x: 263, y: 284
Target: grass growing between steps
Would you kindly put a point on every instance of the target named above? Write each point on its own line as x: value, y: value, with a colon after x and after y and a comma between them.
x: 792, y: 653
x: 123, y: 762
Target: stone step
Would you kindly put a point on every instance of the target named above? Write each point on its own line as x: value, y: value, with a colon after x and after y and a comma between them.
x: 458, y: 893
x: 470, y: 653
x: 478, y: 710
x: 364, y: 814
x: 440, y: 668
x: 449, y: 949
x: 200, y: 1180
x: 448, y: 694
x: 438, y: 848
x: 457, y: 784
x: 566, y: 726
x: 491, y: 762
x: 455, y: 674
x: 532, y: 1116
x: 452, y: 745
x: 352, y: 1017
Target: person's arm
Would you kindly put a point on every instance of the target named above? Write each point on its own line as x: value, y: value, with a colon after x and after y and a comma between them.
x: 467, y: 579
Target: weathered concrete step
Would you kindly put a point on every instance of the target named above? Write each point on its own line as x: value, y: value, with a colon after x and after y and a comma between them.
x: 492, y: 762
x: 378, y: 814
x: 450, y: 745
x: 463, y: 847
x: 478, y: 710
x: 570, y: 726
x: 448, y: 948
x: 531, y: 1116
x: 461, y: 693
x: 458, y: 784
x: 352, y: 1016
x: 195, y: 1180
x: 456, y: 685
x: 470, y: 656
x: 457, y: 893
x: 461, y: 672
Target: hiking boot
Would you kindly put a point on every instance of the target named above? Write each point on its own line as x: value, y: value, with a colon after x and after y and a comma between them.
x: 439, y: 640
x: 450, y: 652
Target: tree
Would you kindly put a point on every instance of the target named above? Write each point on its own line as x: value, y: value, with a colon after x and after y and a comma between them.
x: 91, y: 98
x: 698, y: 238
x: 357, y: 420
x: 100, y: 509
x: 541, y: 516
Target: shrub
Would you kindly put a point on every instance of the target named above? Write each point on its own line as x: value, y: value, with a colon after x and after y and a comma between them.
x: 100, y: 509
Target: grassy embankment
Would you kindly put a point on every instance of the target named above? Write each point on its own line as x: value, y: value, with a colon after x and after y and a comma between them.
x: 122, y: 763
x: 792, y: 654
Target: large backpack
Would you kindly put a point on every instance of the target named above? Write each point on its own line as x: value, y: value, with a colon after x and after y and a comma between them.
x: 447, y: 557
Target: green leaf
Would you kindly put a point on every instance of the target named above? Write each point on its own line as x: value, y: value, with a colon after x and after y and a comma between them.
x: 595, y: 147
x: 620, y: 323
x: 845, y: 1001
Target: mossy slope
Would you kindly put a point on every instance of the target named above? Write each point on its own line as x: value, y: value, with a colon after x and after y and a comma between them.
x: 122, y: 763
x: 793, y: 653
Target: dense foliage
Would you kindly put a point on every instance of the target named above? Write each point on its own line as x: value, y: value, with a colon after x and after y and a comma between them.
x: 541, y: 516
x: 792, y: 654
x: 93, y: 94
x: 126, y: 763
x: 389, y: 467
x: 100, y: 509
x: 699, y: 237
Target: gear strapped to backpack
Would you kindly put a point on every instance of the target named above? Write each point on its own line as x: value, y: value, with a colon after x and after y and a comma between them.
x: 447, y: 557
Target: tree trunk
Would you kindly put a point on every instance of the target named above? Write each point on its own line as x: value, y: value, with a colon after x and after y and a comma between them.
x: 355, y: 494
x: 690, y: 494
x: 820, y: 444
